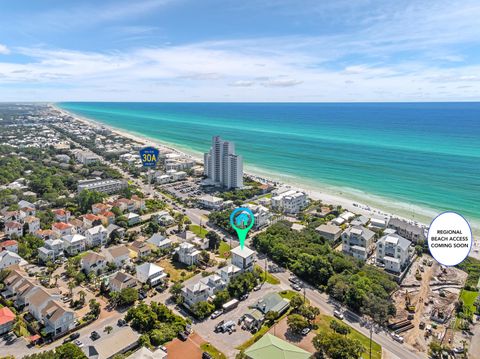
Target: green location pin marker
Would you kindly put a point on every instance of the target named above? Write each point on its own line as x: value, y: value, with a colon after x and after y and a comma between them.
x: 242, y: 220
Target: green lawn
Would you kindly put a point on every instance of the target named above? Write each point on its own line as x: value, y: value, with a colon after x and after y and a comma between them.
x: 214, y: 352
x: 324, y: 325
x: 199, y: 231
x: 270, y: 278
x: 468, y: 297
x: 175, y: 270
x: 224, y: 249
x: 288, y: 294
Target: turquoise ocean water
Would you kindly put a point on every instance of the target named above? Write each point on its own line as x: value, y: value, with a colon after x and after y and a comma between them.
x: 423, y: 157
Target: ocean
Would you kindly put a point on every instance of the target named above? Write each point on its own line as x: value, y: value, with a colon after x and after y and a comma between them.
x: 415, y: 158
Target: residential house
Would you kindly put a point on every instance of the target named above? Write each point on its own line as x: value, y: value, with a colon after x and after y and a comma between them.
x: 145, y: 353
x: 9, y: 245
x: 120, y: 280
x: 210, y: 202
x: 243, y: 258
x: 33, y: 224
x: 62, y: 215
x: 141, y: 249
x: 7, y: 320
x: 393, y: 252
x: 195, y: 293
x: 13, y: 229
x: 358, y: 242
x: 378, y: 223
x: 51, y: 250
x: 132, y: 218
x: 78, y: 225
x: 261, y: 214
x: 151, y: 274
x: 407, y: 230
x: 159, y: 241
x: 8, y: 259
x: 98, y: 208
x: 90, y: 220
x: 139, y: 203
x: 270, y: 346
x: 74, y: 244
x: 62, y: 229
x: 163, y: 218
x: 96, y: 236
x: 330, y: 232
x: 93, y: 262
x: 288, y: 200
x: 228, y: 272
x: 119, y: 255
x: 45, y: 234
x: 27, y: 211
x: 114, y: 228
x: 188, y: 254
x: 271, y: 302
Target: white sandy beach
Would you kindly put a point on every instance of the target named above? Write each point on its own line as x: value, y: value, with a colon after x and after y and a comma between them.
x: 365, y: 204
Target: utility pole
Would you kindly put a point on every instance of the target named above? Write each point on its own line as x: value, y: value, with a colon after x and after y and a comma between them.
x: 371, y: 332
x: 266, y: 268
x: 304, y: 294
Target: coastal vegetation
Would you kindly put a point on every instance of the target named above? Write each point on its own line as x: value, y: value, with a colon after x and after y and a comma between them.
x: 361, y: 287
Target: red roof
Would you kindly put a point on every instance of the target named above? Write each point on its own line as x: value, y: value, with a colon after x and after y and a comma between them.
x: 8, y: 243
x: 61, y: 226
x: 6, y: 315
x: 108, y: 214
x: 13, y: 225
x: 59, y: 212
x: 92, y: 217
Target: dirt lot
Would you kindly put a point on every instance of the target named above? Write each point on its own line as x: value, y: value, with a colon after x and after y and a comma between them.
x: 280, y: 330
x: 433, y: 291
x: 189, y: 349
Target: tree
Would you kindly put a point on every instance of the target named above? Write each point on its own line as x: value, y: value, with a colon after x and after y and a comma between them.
x: 435, y: 349
x: 339, y: 328
x: 202, y: 309
x: 94, y: 307
x: 82, y: 297
x: 69, y: 351
x: 271, y: 316
x: 86, y: 199
x: 204, y: 257
x: 176, y: 291
x: 221, y: 297
x: 336, y: 346
x: 213, y: 240
x: 296, y: 323
x: 108, y: 329
x: 114, y: 298
x: 296, y: 301
x: 71, y: 286
x: 128, y: 296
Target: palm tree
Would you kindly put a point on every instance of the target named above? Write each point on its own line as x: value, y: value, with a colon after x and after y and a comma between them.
x: 82, y: 297
x: 108, y: 329
x: 56, y: 277
x: 71, y: 285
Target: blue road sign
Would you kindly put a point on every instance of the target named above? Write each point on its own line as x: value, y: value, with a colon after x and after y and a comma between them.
x: 149, y: 156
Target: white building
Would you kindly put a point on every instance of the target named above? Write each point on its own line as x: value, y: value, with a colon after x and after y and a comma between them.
x: 330, y: 232
x: 52, y: 249
x: 108, y: 186
x: 160, y: 241
x: 188, y: 254
x: 393, y: 252
x: 289, y: 200
x: 194, y: 293
x: 210, y: 202
x: 150, y: 273
x: 8, y: 259
x: 243, y: 258
x: 13, y: 228
x: 119, y: 255
x: 74, y: 244
x: 222, y: 166
x: 33, y: 224
x: 96, y: 236
x: 377, y: 223
x: 229, y: 272
x: 93, y: 262
x: 358, y: 242
x: 261, y: 214
x: 85, y: 157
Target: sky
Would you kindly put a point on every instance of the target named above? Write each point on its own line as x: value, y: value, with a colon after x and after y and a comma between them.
x: 248, y: 50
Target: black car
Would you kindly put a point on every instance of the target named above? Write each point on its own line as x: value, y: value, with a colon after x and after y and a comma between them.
x: 74, y: 336
x: 121, y: 322
x: 206, y: 355
x: 94, y: 335
x: 183, y: 336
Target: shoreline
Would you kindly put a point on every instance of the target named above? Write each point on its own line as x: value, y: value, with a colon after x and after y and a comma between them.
x: 328, y: 194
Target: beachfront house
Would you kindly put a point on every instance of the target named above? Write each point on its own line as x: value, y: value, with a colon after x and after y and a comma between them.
x: 393, y: 252
x: 358, y: 242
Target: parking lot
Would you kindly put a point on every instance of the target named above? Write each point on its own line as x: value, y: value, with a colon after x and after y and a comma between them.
x: 227, y: 342
x: 184, y: 189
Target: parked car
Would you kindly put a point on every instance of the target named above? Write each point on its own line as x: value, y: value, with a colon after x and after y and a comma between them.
x: 216, y: 314
x: 121, y: 322
x: 78, y: 343
x: 296, y: 287
x: 305, y: 331
x: 163, y: 348
x: 338, y: 314
x: 94, y: 335
x: 183, y: 336
x: 206, y: 355
x: 257, y: 287
x: 458, y: 350
x: 244, y: 297
x: 74, y: 336
x: 398, y: 338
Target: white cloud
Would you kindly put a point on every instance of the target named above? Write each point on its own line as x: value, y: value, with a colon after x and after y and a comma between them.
x: 4, y: 50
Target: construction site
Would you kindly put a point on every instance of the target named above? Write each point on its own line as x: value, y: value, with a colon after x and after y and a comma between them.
x: 425, y: 303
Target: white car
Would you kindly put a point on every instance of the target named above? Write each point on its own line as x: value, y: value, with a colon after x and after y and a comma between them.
x: 78, y: 343
x: 216, y: 314
x: 338, y: 314
x: 398, y: 338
